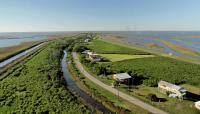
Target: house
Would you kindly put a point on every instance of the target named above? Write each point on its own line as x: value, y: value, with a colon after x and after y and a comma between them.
x: 170, y: 54
x: 86, y: 53
x: 172, y: 89
x: 197, y: 105
x: 95, y: 57
x: 122, y: 77
x: 87, y: 40
x: 92, y: 56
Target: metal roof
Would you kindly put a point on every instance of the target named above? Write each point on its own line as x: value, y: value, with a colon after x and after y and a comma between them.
x: 122, y: 76
x: 173, y: 86
x: 198, y: 102
x: 86, y: 51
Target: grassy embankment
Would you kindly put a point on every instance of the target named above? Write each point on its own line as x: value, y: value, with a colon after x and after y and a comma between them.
x: 148, y: 71
x: 106, y: 98
x: 37, y: 86
x: 102, y: 47
x: 8, y: 52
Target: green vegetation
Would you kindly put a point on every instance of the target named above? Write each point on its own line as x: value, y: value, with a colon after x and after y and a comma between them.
x: 10, y: 68
x: 153, y: 69
x: 100, y: 46
x: 141, y: 91
x: 108, y: 99
x: 147, y: 72
x: 37, y: 86
x: 120, y: 57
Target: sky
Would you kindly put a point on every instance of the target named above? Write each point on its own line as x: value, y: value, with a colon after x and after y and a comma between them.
x: 99, y: 15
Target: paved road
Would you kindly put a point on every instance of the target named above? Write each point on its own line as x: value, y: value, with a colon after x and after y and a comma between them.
x: 129, y: 98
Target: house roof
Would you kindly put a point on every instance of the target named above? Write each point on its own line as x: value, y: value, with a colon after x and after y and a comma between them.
x: 198, y: 102
x: 169, y: 85
x: 122, y: 76
x: 86, y: 51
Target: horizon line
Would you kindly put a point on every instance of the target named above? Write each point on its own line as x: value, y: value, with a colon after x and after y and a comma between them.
x: 105, y: 31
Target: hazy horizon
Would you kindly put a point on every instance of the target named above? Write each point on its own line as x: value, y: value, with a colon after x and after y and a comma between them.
x: 104, y: 15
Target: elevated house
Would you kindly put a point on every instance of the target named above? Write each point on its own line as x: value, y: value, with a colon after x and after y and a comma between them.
x: 92, y: 56
x: 197, y: 105
x: 86, y: 53
x: 122, y: 77
x: 87, y: 40
x: 95, y: 57
x: 171, y: 89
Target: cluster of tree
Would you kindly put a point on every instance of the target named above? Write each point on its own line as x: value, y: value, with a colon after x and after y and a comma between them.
x: 38, y: 86
x: 150, y: 70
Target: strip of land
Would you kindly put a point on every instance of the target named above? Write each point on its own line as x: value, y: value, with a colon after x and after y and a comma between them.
x: 8, y: 52
x: 115, y: 91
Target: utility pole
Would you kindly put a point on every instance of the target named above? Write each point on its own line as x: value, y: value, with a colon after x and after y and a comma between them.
x: 118, y: 95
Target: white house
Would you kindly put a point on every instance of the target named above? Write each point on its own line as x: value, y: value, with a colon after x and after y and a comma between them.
x: 197, y: 105
x: 92, y: 56
x: 172, y: 89
x: 86, y: 51
x: 87, y: 40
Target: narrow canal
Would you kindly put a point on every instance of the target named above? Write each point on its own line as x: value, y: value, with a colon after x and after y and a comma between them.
x: 10, y: 60
x: 71, y: 84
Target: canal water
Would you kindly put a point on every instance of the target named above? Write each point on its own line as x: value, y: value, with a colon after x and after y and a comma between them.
x: 71, y: 84
x: 8, y: 61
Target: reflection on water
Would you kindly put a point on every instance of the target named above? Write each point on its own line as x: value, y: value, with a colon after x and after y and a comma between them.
x: 14, y: 38
x: 13, y: 42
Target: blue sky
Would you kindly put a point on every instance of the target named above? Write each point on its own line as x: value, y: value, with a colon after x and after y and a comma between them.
x: 87, y: 15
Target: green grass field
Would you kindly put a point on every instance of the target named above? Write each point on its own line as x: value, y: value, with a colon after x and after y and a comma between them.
x: 120, y: 57
x: 100, y: 46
